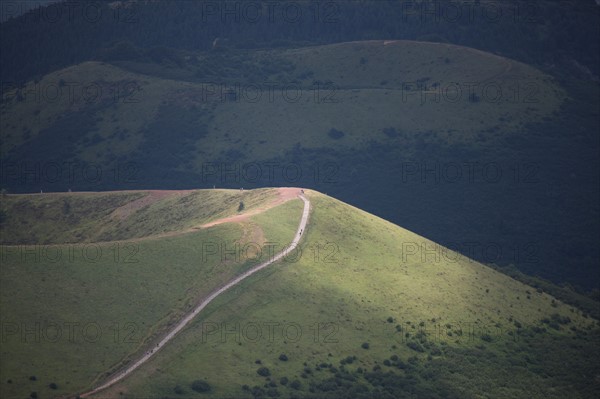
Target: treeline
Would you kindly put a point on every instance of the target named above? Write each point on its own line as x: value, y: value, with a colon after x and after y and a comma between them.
x: 540, y: 32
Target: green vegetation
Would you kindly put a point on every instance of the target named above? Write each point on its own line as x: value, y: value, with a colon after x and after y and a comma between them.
x: 93, y: 306
x: 366, y: 103
x: 449, y: 337
x: 200, y: 386
x: 94, y: 217
x: 196, y: 112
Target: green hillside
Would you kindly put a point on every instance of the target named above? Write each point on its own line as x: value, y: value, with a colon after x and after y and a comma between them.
x: 409, y: 122
x: 59, y: 218
x: 367, y: 309
x: 92, y: 306
x: 436, y: 324
x: 358, y: 88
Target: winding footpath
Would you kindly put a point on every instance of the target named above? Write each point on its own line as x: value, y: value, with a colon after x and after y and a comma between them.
x: 179, y: 326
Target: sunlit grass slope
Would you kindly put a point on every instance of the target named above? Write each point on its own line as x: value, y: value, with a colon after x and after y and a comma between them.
x: 92, y: 217
x: 370, y: 309
x: 71, y: 313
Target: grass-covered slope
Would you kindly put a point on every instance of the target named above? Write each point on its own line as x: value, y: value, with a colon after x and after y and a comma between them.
x: 56, y: 218
x: 70, y: 313
x: 372, y: 310
x: 358, y: 88
x: 514, y: 164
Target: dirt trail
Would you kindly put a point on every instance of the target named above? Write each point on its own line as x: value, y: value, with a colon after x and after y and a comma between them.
x: 285, y: 196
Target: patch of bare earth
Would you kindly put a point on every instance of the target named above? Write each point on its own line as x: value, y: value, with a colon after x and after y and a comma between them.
x: 285, y: 194
x: 123, y: 212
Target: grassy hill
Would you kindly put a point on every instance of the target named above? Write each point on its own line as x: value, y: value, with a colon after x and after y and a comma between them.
x: 453, y: 143
x: 367, y: 309
x: 59, y: 218
x: 277, y: 90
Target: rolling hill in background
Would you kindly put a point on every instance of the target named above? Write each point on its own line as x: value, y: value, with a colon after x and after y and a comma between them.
x: 479, y: 152
x: 365, y: 308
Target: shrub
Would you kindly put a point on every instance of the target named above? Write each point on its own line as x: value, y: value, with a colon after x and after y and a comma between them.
x: 257, y: 391
x: 486, y: 337
x: 53, y: 386
x: 365, y: 345
x: 390, y: 319
x: 283, y: 381
x: 560, y: 319
x: 283, y: 357
x: 296, y: 385
x: 554, y: 324
x: 264, y: 372
x: 200, y: 386
x: 336, y: 134
x: 178, y: 390
x: 415, y: 346
x: 241, y: 206
x: 33, y: 395
x: 518, y: 325
x: 347, y: 360
x: 390, y: 132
